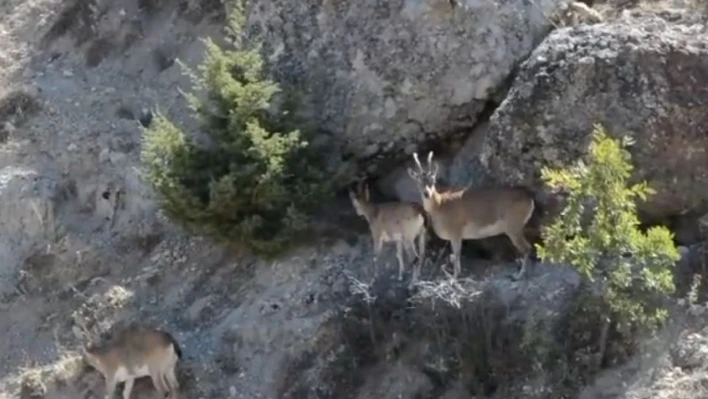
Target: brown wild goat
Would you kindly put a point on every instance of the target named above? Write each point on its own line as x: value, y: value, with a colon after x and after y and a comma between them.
x: 133, y: 352
x: 474, y: 213
x: 400, y: 222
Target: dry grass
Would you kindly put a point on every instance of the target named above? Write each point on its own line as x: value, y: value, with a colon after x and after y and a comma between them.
x: 450, y: 291
x: 614, y: 8
x: 677, y: 384
x: 32, y: 385
x: 611, y: 10
x: 68, y: 369
x: 38, y: 382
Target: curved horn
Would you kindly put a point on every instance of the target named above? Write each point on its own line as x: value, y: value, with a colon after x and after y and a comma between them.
x: 417, y: 161
x: 430, y: 160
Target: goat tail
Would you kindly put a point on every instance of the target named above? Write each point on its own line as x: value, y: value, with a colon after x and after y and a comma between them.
x: 175, y: 344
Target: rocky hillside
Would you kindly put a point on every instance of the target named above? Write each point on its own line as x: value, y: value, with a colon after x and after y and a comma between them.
x: 497, y: 88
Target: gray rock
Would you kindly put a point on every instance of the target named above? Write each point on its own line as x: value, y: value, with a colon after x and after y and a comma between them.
x: 396, y: 380
x: 382, y: 75
x: 457, y: 391
x: 692, y: 350
x: 196, y: 309
x: 26, y: 219
x: 398, y: 185
x: 644, y: 77
x: 546, y: 291
x: 465, y: 168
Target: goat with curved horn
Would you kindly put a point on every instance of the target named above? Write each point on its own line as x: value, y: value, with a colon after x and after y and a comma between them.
x: 474, y: 213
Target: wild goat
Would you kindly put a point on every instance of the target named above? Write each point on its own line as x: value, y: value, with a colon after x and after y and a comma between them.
x: 400, y: 222
x: 474, y: 213
x: 136, y: 351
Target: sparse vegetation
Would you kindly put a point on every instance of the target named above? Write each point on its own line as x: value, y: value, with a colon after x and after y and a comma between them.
x: 15, y: 108
x: 257, y: 182
x: 32, y: 385
x: 598, y: 233
x: 39, y: 382
x: 467, y: 334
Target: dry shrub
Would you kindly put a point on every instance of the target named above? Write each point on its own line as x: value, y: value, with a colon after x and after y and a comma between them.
x: 32, y: 385
x: 15, y: 108
x: 450, y: 331
x: 457, y: 333
x: 473, y: 341
x: 78, y: 18
x: 64, y: 377
x: 660, y: 7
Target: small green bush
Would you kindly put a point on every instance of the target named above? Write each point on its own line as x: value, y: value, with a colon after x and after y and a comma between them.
x: 633, y: 268
x: 258, y: 181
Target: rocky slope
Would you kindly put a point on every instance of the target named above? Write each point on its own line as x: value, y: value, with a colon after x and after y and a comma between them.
x: 81, y: 237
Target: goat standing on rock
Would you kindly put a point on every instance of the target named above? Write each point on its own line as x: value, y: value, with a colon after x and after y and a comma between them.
x: 400, y: 222
x: 136, y: 351
x: 474, y: 213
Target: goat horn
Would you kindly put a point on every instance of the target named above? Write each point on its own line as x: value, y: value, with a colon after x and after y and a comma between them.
x: 417, y: 161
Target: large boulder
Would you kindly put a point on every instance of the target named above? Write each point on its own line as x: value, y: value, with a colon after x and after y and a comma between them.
x: 641, y: 76
x: 385, y: 76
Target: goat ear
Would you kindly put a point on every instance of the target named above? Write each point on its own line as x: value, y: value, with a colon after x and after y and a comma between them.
x: 412, y: 174
x: 435, y: 170
x: 360, y: 187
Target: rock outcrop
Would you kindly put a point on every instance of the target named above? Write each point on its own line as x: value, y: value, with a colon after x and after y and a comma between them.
x: 385, y: 77
x: 26, y: 219
x: 643, y: 76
